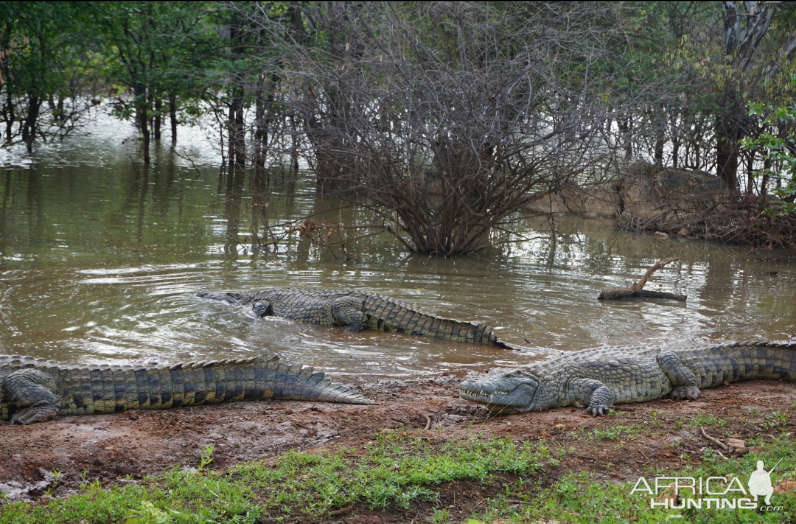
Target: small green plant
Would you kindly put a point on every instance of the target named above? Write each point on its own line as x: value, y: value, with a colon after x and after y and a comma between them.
x: 440, y: 516
x: 775, y: 419
x: 655, y: 415
x: 56, y: 477
x: 614, y: 433
x: 84, y: 483
x: 679, y: 423
x: 148, y: 514
x: 707, y: 420
x: 206, y: 456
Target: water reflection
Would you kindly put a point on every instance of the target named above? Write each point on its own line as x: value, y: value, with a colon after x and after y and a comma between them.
x: 100, y: 257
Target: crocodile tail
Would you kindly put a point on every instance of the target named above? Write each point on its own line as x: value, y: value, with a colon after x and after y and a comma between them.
x: 386, y: 314
x: 743, y: 361
x: 108, y: 389
x: 297, y: 382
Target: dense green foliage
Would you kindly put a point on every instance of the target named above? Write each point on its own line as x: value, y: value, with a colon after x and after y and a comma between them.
x: 777, y: 144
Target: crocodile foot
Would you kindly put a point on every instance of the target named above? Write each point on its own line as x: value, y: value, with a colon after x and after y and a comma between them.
x: 601, y: 401
x: 685, y: 392
x: 41, y: 411
x: 262, y: 309
x: 598, y: 410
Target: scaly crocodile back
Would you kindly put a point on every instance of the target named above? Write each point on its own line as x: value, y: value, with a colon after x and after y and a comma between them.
x: 108, y: 389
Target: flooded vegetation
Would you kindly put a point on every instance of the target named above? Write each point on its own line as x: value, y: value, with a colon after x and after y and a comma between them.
x: 101, y: 257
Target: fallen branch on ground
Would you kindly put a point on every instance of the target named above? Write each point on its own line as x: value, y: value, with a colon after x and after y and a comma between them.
x: 714, y: 440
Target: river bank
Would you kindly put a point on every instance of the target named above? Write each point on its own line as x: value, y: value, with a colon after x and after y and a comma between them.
x: 129, y: 448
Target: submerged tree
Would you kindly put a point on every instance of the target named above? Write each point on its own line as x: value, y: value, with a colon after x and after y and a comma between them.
x: 447, y: 116
x: 45, y: 64
x: 159, y: 50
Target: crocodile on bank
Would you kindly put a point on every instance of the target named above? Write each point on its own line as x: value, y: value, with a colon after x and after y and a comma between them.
x: 598, y: 378
x: 34, y: 390
x: 355, y: 310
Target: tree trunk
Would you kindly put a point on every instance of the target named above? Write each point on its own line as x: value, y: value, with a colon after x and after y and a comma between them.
x: 51, y: 103
x: 261, y: 128
x: 660, y: 138
x: 29, y: 125
x: 764, y: 182
x: 142, y: 117
x: 158, y: 105
x: 57, y: 108
x: 659, y: 148
x: 750, y: 172
x: 727, y: 155
x: 237, y: 139
x: 675, y: 141
x: 11, y: 117
x: 624, y: 128
x: 173, y: 115
x: 294, y: 162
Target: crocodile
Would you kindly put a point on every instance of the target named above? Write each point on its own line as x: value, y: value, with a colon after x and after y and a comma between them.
x: 598, y: 378
x: 35, y: 390
x: 356, y: 310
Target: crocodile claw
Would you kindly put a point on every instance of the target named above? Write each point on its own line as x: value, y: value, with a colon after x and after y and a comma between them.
x: 598, y: 410
x: 685, y: 392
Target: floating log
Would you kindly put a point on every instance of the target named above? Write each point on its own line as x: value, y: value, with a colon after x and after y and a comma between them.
x: 635, y: 290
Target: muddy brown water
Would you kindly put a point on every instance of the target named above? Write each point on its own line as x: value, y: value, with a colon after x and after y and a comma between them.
x: 100, y: 258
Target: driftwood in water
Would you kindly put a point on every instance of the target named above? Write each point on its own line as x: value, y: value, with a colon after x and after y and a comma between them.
x: 635, y: 290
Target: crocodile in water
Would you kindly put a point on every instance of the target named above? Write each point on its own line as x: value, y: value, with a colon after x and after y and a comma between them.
x: 356, y: 310
x: 598, y: 378
x: 34, y: 390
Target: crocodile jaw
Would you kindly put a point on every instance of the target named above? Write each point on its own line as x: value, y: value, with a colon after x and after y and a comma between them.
x: 515, y: 393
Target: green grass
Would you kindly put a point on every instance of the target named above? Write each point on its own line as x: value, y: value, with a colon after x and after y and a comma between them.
x: 707, y: 420
x: 775, y: 419
x: 615, y: 433
x: 394, y: 470
x: 581, y: 498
